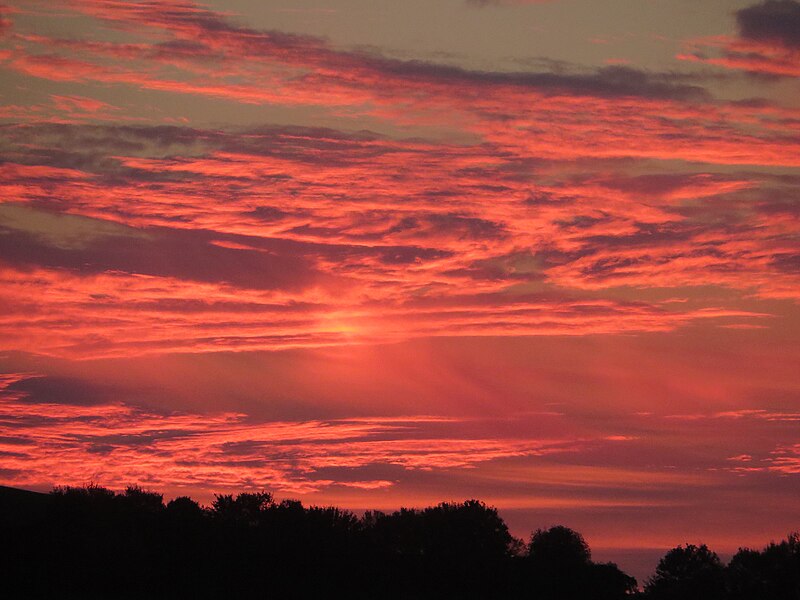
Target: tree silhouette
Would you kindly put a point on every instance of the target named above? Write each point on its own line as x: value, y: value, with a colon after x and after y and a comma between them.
x: 609, y: 582
x: 773, y: 573
x: 89, y: 542
x: 184, y: 508
x: 561, y: 567
x: 688, y: 573
x: 559, y: 546
x: 246, y: 508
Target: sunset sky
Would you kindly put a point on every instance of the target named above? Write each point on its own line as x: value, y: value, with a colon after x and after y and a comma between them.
x: 377, y: 253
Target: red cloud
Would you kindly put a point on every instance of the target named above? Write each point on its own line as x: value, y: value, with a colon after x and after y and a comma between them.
x: 117, y: 444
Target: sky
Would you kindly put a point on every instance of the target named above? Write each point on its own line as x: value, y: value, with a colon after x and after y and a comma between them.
x: 376, y: 254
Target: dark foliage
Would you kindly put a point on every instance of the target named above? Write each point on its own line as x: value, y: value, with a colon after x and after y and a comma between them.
x: 696, y: 573
x: 90, y: 542
x: 559, y: 567
x: 773, y: 573
x: 688, y: 573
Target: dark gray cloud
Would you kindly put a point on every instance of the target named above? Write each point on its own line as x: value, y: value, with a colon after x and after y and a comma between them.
x: 787, y: 262
x: 197, y: 255
x: 371, y: 69
x: 614, y: 81
x: 91, y: 148
x: 655, y: 184
x: 184, y: 254
x: 771, y: 21
x: 53, y: 389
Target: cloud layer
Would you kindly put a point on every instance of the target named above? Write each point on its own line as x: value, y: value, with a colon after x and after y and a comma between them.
x: 234, y: 256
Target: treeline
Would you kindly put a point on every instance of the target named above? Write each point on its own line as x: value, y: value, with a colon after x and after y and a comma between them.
x: 90, y: 542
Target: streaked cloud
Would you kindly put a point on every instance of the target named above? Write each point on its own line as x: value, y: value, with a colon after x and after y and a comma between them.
x: 63, y: 436
x: 768, y: 42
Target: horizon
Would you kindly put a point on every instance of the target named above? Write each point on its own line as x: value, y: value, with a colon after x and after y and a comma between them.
x: 376, y: 254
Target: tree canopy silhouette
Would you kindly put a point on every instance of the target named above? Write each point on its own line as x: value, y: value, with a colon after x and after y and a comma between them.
x: 90, y: 542
x: 561, y: 567
x: 773, y: 573
x: 559, y: 546
x: 688, y: 573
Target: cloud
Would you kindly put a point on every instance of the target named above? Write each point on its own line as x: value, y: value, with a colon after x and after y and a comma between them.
x: 53, y: 438
x: 601, y: 110
x: 160, y: 239
x: 188, y: 255
x: 278, y: 67
x: 776, y: 21
x: 61, y: 231
x: 768, y: 43
x: 5, y: 23
x: 58, y: 390
x: 786, y: 460
x: 564, y: 186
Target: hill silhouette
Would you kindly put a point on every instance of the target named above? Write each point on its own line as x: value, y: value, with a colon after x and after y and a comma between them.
x: 90, y: 542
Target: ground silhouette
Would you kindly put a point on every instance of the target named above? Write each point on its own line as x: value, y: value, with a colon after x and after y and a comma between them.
x: 90, y: 542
